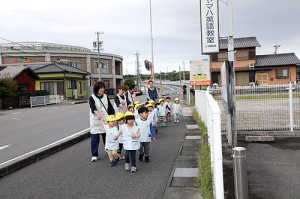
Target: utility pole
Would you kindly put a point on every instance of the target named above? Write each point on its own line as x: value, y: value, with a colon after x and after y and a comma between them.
x: 152, y: 69
x: 138, y: 79
x: 179, y: 79
x: 276, y: 48
x: 99, y: 47
x: 183, y: 63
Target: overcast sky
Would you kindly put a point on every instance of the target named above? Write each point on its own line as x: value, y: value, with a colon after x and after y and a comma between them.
x: 126, y: 26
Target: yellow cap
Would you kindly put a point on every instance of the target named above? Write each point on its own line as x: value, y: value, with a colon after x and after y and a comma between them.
x: 151, y: 101
x: 161, y: 99
x: 130, y: 105
x: 149, y: 105
x: 110, y: 118
x: 137, y: 105
x: 119, y: 115
x: 128, y: 114
x: 176, y: 99
x: 136, y: 102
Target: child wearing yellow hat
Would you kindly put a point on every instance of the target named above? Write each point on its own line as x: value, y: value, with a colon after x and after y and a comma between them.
x: 111, y: 143
x: 177, y: 109
x: 120, y: 124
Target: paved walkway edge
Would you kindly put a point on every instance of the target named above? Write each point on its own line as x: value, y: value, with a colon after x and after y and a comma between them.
x: 43, y: 152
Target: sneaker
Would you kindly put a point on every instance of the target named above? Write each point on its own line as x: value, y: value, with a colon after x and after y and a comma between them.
x: 116, y: 161
x: 94, y: 159
x: 133, y: 169
x: 141, y: 156
x: 121, y: 157
x: 112, y: 163
x: 127, y: 167
x: 147, y: 159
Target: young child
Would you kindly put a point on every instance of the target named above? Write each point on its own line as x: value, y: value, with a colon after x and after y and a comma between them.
x: 147, y: 133
x: 162, y: 112
x: 111, y: 143
x: 168, y: 107
x: 131, y: 134
x: 136, y: 110
x: 176, y: 110
x: 152, y: 117
x: 154, y: 111
x: 131, y: 108
x: 120, y: 124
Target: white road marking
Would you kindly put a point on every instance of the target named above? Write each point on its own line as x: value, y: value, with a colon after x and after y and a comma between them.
x: 16, y: 113
x: 3, y: 147
x: 14, y: 118
x: 39, y: 149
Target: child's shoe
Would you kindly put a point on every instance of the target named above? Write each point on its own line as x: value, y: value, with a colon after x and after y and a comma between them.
x: 133, y: 169
x: 147, y: 159
x: 116, y: 161
x: 127, y: 167
x: 141, y: 156
x: 112, y: 163
x: 94, y: 159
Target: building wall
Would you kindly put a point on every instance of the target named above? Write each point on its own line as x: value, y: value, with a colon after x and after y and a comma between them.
x: 292, y: 76
x: 22, y: 59
x: 26, y: 78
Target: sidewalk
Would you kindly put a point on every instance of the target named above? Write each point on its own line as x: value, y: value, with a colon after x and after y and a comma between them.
x: 184, y: 181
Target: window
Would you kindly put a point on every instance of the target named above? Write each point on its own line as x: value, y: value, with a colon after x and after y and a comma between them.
x: 242, y: 55
x: 72, y: 84
x: 223, y: 56
x: 282, y: 73
x: 51, y: 87
x: 106, y: 83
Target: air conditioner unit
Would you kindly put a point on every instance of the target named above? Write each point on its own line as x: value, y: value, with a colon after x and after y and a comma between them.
x: 251, y: 65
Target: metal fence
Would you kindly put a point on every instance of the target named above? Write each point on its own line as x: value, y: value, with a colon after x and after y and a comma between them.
x: 264, y: 108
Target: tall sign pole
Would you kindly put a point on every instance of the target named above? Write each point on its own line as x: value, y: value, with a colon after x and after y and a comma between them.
x: 231, y: 89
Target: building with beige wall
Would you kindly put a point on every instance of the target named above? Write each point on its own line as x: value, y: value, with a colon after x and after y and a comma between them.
x: 250, y: 67
x: 82, y: 58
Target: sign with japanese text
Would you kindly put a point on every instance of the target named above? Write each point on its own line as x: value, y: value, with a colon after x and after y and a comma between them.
x: 209, y: 13
x: 199, y: 72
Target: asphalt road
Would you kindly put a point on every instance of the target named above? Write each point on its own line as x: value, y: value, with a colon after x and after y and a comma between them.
x: 28, y: 129
x: 70, y: 174
x: 274, y: 169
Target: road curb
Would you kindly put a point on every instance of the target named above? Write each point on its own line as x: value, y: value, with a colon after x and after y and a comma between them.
x: 41, y: 153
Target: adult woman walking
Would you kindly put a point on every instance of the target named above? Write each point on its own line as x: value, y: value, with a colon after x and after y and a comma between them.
x: 120, y: 102
x: 100, y: 107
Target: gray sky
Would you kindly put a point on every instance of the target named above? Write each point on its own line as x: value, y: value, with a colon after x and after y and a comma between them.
x: 126, y: 26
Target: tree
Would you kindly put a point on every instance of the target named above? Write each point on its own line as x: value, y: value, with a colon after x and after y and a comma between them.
x: 8, y: 86
x: 128, y: 81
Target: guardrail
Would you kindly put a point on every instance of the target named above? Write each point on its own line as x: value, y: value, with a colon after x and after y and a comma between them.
x: 210, y: 113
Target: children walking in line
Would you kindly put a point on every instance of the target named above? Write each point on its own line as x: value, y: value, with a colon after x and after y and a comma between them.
x: 168, y: 107
x: 162, y: 113
x: 176, y: 110
x: 120, y: 124
x: 147, y: 133
x: 131, y: 134
x: 111, y: 143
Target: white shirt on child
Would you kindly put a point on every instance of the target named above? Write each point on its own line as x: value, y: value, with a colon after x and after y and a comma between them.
x: 128, y: 142
x: 120, y: 139
x: 110, y: 143
x: 161, y: 110
x: 176, y: 108
x: 144, y: 126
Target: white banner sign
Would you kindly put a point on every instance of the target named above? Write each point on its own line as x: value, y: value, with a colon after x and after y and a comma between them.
x: 209, y: 12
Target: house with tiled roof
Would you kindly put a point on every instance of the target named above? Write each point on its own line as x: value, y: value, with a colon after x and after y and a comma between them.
x: 250, y: 67
x: 58, y: 78
x: 23, y: 75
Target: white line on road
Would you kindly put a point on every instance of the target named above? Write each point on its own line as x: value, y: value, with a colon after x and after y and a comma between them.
x: 39, y: 149
x: 14, y: 118
x: 3, y: 147
x: 16, y: 113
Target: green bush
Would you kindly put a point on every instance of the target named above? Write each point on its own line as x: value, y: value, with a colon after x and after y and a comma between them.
x: 8, y: 87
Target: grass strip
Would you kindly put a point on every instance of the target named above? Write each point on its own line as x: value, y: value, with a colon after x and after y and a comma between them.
x: 205, y: 173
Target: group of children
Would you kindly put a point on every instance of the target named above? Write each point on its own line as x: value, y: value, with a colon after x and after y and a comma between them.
x: 135, y: 129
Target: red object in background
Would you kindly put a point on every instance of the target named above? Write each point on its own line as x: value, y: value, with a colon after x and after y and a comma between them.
x: 271, y: 79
